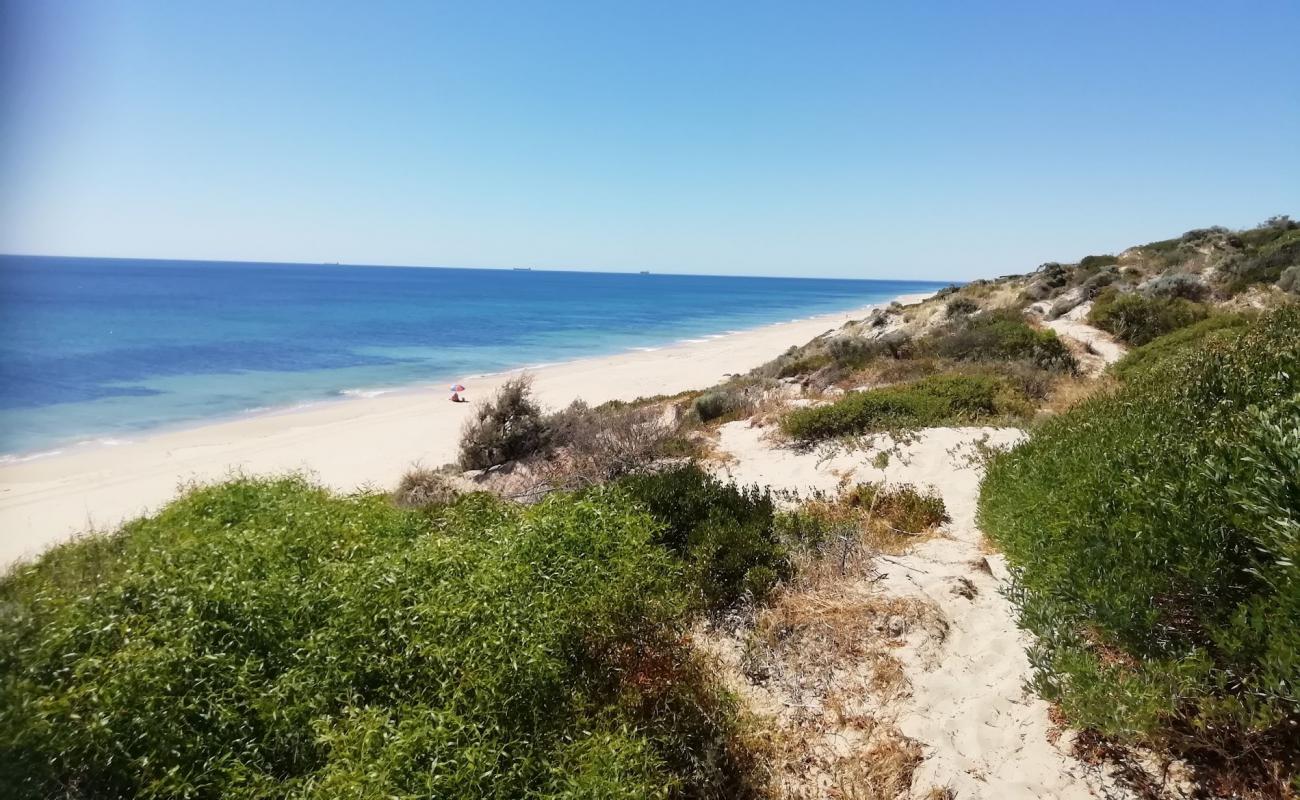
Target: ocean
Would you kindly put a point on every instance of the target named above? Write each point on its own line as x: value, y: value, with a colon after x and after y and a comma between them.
x: 100, y: 350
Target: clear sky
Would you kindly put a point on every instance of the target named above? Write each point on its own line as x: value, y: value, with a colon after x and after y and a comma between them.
x: 909, y: 139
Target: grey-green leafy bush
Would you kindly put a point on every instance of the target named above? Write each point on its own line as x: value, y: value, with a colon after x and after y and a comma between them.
x: 948, y: 399
x: 1155, y: 537
x: 718, y: 403
x: 1289, y: 280
x: 264, y: 639
x: 723, y: 532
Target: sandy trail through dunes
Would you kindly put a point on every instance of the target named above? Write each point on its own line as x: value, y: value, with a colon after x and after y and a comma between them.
x: 981, y: 734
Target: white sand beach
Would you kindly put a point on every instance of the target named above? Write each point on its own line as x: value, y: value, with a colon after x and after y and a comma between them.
x: 346, y: 444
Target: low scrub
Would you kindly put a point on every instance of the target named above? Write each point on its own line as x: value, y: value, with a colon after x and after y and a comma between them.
x: 590, y: 446
x: 422, y: 488
x: 1155, y: 353
x: 1137, y: 319
x: 724, y: 533
x: 1090, y: 263
x: 949, y: 399
x: 719, y: 403
x: 1155, y: 537
x: 265, y: 639
x: 1001, y: 336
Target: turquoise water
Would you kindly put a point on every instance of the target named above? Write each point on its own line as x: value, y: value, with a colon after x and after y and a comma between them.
x: 109, y: 348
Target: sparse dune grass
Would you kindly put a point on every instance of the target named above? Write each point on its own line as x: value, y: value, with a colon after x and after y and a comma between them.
x: 263, y: 638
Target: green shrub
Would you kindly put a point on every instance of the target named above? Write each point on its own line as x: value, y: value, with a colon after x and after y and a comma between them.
x: 961, y: 306
x: 855, y: 352
x: 724, y: 533
x: 508, y: 427
x: 951, y: 399
x: 715, y: 404
x: 796, y: 366
x: 265, y: 639
x: 1155, y: 537
x: 1097, y: 262
x: 1155, y: 353
x: 1001, y: 336
x: 1137, y: 319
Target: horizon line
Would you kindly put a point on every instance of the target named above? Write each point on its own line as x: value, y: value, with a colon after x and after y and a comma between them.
x: 586, y: 271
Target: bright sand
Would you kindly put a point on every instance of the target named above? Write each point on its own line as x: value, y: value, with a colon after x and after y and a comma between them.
x: 345, y: 444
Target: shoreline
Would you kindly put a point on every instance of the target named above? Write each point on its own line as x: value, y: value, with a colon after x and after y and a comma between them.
x: 347, y: 443
x: 89, y: 440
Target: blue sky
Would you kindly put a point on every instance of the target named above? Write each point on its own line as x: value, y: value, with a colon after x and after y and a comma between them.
x: 927, y: 140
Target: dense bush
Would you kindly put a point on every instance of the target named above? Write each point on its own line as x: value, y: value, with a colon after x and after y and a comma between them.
x: 1137, y: 319
x: 1154, y: 354
x: 723, y: 532
x: 718, y: 403
x: 510, y: 426
x: 854, y: 352
x: 1097, y: 262
x: 265, y: 639
x: 960, y: 306
x: 590, y: 446
x: 1001, y: 336
x: 1265, y: 253
x: 1155, y: 535
x: 1093, y: 285
x: 1176, y: 284
x: 950, y: 399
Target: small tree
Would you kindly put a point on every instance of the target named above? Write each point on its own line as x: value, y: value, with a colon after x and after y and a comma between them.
x: 508, y: 427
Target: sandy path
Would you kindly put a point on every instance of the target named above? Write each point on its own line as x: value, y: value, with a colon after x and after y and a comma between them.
x: 1107, y: 350
x: 982, y: 735
x: 345, y: 444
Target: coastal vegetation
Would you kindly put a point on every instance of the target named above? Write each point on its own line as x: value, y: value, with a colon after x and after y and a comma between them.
x: 951, y: 399
x: 1155, y: 534
x: 264, y: 638
x: 1137, y: 319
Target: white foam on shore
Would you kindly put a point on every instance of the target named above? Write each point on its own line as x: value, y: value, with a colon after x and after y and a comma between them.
x: 25, y: 457
x: 364, y: 392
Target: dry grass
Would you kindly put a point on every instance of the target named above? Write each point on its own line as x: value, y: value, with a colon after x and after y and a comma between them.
x: 1068, y: 392
x: 819, y: 664
x: 880, y: 771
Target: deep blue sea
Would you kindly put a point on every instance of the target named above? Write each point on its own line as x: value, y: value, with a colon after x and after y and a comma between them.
x: 103, y: 349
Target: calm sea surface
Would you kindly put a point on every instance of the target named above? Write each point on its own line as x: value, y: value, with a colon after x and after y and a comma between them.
x: 102, y: 349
